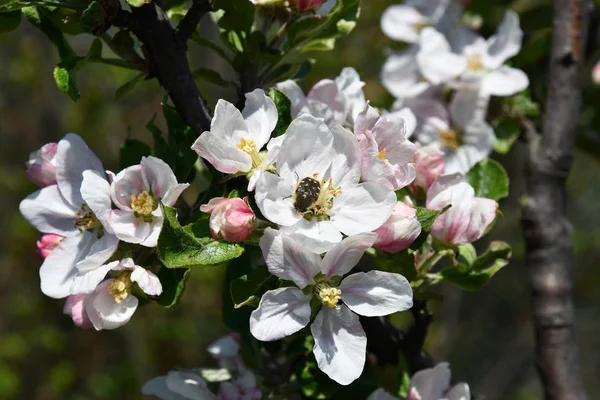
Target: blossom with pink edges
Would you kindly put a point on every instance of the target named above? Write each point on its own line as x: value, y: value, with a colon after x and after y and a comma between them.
x: 47, y: 244
x: 399, y: 231
x: 230, y: 219
x: 41, y: 167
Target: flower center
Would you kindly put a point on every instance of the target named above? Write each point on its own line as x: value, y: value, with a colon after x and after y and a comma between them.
x: 120, y: 287
x: 474, y: 62
x: 313, y: 198
x: 449, y: 138
x: 381, y: 154
x: 142, y: 205
x: 249, y: 147
x: 86, y: 220
x: 327, y: 294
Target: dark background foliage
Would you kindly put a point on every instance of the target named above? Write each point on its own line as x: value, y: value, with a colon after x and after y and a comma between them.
x: 485, y: 335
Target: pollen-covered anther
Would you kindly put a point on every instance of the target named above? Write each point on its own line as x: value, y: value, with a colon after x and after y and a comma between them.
x: 474, y: 62
x: 86, y: 219
x: 120, y: 288
x: 143, y: 203
x: 381, y: 154
x: 330, y: 296
x: 449, y: 138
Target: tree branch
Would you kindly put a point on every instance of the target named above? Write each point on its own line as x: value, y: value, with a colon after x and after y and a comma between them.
x: 547, y: 231
x: 167, y: 58
x: 189, y: 23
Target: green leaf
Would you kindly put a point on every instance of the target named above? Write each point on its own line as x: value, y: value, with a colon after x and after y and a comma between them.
x: 64, y: 76
x: 507, y: 131
x: 426, y: 218
x: 248, y: 289
x: 9, y: 21
x: 467, y: 253
x: 178, y: 247
x: 284, y: 111
x: 93, y: 17
x: 95, y: 49
x: 128, y: 86
x: 138, y: 3
x: 173, y: 283
x: 521, y: 105
x: 483, y: 268
x: 238, y: 15
x: 237, y: 319
x: 211, y: 76
x: 489, y: 179
x: 40, y: 18
x: 132, y: 152
x: 402, y: 263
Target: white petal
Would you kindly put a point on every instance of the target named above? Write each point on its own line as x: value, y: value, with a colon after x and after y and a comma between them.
x: 129, y: 182
x: 316, y: 236
x: 261, y: 116
x: 274, y: 199
x: 159, y: 175
x: 460, y: 391
x: 189, y: 385
x: 105, y: 312
x: 228, y: 123
x: 400, y: 22
x: 222, y: 154
x: 410, y: 120
x: 362, y: 208
x: 468, y: 105
x: 155, y: 227
x: 173, y: 194
x: 58, y: 270
x: 327, y: 93
x: 273, y: 147
x: 225, y: 347
x: 95, y: 191
x: 100, y: 251
x: 128, y: 227
x: 366, y: 120
x: 432, y: 383
x: 505, y: 81
x: 296, y: 96
x: 49, y: 212
x: 280, y: 313
x: 350, y: 84
x: 440, y: 186
x: 287, y: 259
x: 306, y: 149
x: 436, y: 61
x: 88, y: 281
x: 376, y: 293
x: 346, y: 162
x: 72, y: 158
x: 147, y: 281
x: 381, y: 394
x: 346, y: 254
x: 506, y: 43
x: 401, y: 76
x: 158, y: 387
x: 340, y: 344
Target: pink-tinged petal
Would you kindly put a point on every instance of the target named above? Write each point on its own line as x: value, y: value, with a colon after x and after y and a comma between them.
x: 340, y: 344
x: 75, y: 307
x: 346, y: 162
x: 129, y: 182
x: 399, y: 231
x: 105, y: 312
x: 86, y: 282
x: 390, y: 134
x: 170, y: 198
x: 327, y: 92
x: 345, y: 255
x: 228, y: 123
x: 287, y: 259
x: 381, y: 394
x: 213, y: 204
x: 47, y: 244
x: 296, y: 96
x: 41, y: 167
x: 155, y: 228
x: 73, y: 157
x: 49, y: 212
x: 99, y: 252
x: 95, y: 191
x: 400, y: 22
x: 280, y: 313
x: 443, y: 183
x: 315, y: 236
x: 432, y: 383
x: 366, y: 120
x: 505, y: 81
x: 362, y: 208
x: 231, y: 219
x: 261, y: 117
x: 413, y: 394
x: 410, y: 120
x: 274, y: 199
x: 147, y: 281
x: 304, y: 6
x: 460, y: 391
x: 506, y: 43
x: 376, y: 293
x: 222, y: 154
x: 159, y: 175
x: 350, y: 84
x: 58, y: 269
x: 429, y: 165
x: 128, y: 227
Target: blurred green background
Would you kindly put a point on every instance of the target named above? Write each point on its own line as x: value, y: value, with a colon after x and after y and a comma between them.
x: 486, y: 336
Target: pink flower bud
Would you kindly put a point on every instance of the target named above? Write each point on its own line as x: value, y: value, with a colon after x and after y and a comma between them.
x: 230, y: 219
x: 399, y: 231
x: 41, y: 167
x: 468, y: 217
x: 596, y: 73
x: 429, y: 163
x: 47, y: 243
x: 307, y: 5
x: 75, y: 307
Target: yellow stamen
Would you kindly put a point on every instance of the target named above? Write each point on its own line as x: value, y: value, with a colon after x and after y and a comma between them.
x: 120, y: 287
x: 249, y: 146
x: 381, y: 154
x: 330, y: 296
x: 474, y: 62
x: 86, y: 219
x: 449, y: 138
x: 143, y: 204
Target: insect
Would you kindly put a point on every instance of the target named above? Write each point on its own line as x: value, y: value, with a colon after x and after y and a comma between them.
x: 306, y: 194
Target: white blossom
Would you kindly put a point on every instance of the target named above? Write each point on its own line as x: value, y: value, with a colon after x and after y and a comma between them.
x: 316, y: 194
x: 340, y: 341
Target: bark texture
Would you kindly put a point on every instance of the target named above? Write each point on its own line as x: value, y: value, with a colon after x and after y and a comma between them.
x: 547, y: 231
